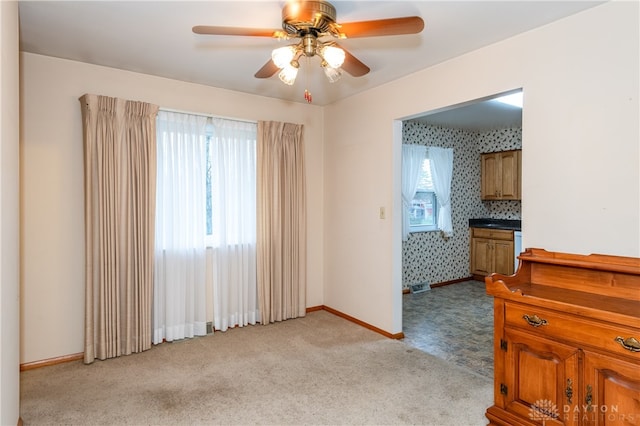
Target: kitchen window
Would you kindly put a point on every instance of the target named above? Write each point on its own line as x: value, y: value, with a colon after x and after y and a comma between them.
x: 423, y: 214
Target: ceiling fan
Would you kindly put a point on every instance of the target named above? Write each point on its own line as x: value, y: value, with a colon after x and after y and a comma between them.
x: 314, y: 23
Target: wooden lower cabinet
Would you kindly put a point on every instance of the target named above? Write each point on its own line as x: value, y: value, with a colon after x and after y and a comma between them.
x: 539, y: 373
x: 566, y: 341
x: 613, y: 387
x: 491, y: 251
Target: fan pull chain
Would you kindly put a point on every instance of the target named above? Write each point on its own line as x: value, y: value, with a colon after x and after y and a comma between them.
x: 307, y: 93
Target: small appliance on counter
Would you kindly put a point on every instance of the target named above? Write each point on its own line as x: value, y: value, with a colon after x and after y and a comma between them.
x: 517, y: 249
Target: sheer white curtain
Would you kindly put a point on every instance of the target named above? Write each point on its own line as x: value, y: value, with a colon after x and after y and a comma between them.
x: 412, y: 158
x: 441, y: 160
x: 179, y: 308
x: 233, y: 253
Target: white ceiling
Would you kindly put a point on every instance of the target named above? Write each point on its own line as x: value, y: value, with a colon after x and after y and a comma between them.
x: 155, y: 37
x: 478, y: 115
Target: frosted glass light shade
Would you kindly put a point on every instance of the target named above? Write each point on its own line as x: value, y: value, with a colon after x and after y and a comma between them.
x: 283, y: 56
x: 288, y: 75
x: 333, y: 74
x: 333, y: 55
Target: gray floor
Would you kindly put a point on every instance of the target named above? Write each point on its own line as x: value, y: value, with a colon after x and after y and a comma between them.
x: 453, y: 322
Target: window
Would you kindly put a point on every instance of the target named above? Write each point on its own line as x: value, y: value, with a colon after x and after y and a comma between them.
x: 206, y: 174
x: 230, y: 150
x: 423, y: 214
x: 230, y: 178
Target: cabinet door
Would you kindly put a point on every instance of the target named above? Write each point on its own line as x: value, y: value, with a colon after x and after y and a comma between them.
x: 541, y: 379
x: 611, y: 393
x: 509, y: 184
x: 503, y: 257
x: 490, y: 168
x: 481, y: 256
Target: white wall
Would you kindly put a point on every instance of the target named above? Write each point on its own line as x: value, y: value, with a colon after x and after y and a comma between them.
x: 52, y: 186
x: 9, y: 216
x: 581, y: 182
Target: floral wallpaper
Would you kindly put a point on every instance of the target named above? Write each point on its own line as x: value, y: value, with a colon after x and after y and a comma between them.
x: 428, y: 257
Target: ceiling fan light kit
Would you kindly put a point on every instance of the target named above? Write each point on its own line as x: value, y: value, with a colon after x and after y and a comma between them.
x: 286, y: 58
x: 312, y: 22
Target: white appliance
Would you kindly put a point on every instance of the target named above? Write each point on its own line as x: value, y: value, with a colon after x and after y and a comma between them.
x: 517, y: 248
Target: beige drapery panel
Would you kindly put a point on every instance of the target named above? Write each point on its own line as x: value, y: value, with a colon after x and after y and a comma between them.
x: 281, y: 222
x: 120, y: 195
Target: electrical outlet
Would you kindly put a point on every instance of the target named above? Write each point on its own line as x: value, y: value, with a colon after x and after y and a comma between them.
x: 382, y: 213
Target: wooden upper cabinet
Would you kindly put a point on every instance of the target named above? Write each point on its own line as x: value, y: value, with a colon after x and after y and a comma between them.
x: 501, y: 175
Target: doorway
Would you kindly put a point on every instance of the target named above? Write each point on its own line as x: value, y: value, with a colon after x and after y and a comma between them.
x: 428, y: 259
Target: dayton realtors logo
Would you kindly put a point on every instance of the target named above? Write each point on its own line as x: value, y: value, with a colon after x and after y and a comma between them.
x: 599, y: 414
x: 544, y: 409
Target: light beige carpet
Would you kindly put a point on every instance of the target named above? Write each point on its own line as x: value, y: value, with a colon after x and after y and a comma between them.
x: 320, y: 369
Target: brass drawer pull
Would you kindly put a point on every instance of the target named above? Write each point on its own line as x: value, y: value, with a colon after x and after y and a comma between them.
x: 630, y: 343
x: 534, y: 320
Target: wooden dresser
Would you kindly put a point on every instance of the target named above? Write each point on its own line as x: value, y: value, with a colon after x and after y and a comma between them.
x: 567, y: 341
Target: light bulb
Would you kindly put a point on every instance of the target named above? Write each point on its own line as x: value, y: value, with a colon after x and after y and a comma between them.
x: 333, y: 74
x: 283, y: 56
x: 288, y: 75
x: 333, y: 55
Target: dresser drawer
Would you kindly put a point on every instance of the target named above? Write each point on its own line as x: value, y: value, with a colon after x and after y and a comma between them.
x: 492, y: 234
x: 578, y: 330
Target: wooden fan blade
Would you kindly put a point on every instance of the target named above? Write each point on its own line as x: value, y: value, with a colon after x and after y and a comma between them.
x: 352, y: 65
x: 237, y: 31
x: 267, y: 70
x: 382, y: 27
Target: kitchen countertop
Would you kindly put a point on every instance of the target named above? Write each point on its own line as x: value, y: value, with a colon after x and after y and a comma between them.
x: 508, y: 224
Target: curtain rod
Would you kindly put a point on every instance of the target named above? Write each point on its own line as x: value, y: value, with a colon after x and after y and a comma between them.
x: 207, y: 115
